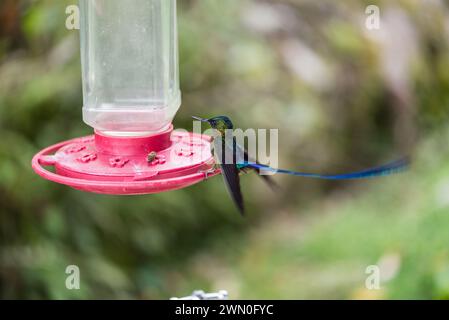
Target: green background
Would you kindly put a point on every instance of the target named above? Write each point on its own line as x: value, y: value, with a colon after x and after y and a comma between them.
x: 343, y: 97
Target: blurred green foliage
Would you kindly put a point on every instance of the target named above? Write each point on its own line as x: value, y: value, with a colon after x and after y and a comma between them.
x: 343, y: 97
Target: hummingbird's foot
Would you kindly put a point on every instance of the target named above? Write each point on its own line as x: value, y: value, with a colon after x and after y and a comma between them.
x: 209, y: 171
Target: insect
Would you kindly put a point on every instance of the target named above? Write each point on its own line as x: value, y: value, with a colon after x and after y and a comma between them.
x: 151, y: 156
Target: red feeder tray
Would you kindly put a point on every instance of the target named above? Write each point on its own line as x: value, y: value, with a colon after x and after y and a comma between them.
x: 105, y: 164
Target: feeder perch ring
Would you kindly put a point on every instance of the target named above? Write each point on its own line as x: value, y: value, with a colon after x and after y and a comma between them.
x: 119, y: 165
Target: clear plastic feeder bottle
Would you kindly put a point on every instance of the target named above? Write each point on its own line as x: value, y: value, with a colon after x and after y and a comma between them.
x: 129, y: 52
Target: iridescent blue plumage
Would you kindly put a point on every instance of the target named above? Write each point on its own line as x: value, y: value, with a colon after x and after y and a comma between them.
x: 388, y: 169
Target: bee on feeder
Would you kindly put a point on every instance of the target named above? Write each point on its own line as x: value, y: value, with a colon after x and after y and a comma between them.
x: 151, y: 156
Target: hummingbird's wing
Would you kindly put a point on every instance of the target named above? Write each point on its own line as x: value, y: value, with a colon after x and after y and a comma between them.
x: 243, y: 157
x: 230, y: 172
x: 232, y: 182
x: 268, y: 180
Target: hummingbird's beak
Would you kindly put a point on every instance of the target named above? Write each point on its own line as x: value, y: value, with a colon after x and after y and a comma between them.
x: 200, y: 119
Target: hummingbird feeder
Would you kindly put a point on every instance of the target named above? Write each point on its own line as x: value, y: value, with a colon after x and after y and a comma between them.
x: 130, y: 75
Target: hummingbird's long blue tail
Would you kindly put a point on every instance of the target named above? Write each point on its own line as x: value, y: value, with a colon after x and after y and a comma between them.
x: 385, y: 170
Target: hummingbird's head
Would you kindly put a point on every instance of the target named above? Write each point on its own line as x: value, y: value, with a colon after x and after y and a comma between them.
x: 220, y: 123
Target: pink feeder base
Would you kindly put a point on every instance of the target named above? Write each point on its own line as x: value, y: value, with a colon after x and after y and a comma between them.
x: 105, y: 164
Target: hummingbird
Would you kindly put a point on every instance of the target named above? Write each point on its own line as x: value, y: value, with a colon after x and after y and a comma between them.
x: 234, y: 160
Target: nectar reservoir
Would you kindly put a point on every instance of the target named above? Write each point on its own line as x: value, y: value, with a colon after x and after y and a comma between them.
x: 129, y: 54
